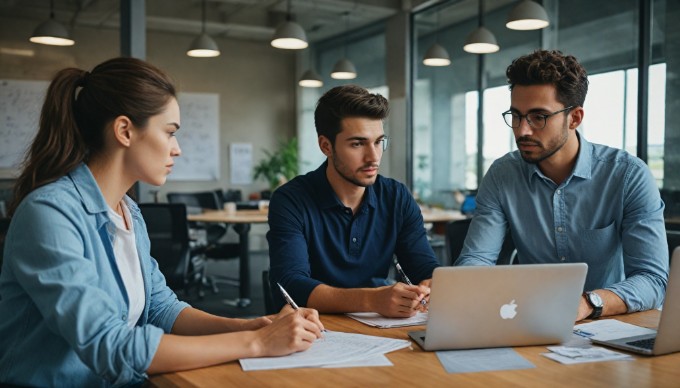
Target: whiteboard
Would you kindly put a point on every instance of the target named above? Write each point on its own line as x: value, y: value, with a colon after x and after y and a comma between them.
x: 198, y: 138
x: 21, y: 101
x: 20, y: 104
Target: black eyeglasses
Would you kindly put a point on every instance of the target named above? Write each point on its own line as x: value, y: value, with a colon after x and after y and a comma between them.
x: 385, y: 142
x: 535, y: 120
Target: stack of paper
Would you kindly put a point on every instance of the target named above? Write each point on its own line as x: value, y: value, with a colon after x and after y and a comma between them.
x: 377, y: 320
x: 332, y: 350
x: 570, y: 355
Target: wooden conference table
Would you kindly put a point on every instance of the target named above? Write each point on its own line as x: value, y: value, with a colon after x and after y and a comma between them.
x: 242, y: 219
x: 417, y: 368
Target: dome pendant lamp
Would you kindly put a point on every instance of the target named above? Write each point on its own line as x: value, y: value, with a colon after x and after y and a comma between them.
x: 51, y: 32
x: 344, y: 69
x: 436, y: 55
x: 527, y: 15
x: 311, y: 79
x: 481, y: 40
x: 203, y: 46
x: 289, y: 35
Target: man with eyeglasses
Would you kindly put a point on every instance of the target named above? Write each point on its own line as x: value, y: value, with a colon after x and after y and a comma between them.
x: 568, y: 200
x: 333, y: 232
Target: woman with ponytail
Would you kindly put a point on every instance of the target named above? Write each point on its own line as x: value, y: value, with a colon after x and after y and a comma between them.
x: 82, y: 302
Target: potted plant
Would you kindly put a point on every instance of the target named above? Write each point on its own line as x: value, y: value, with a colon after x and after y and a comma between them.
x: 278, y: 167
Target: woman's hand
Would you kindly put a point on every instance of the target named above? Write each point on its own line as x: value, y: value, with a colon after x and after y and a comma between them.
x: 292, y: 331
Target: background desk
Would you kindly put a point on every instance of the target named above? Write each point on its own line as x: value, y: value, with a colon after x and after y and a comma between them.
x: 241, y: 220
x: 416, y: 368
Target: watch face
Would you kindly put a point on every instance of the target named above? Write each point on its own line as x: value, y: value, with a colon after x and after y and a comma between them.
x: 595, y: 299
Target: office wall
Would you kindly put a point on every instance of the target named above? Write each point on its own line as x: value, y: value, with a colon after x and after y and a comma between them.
x: 255, y: 82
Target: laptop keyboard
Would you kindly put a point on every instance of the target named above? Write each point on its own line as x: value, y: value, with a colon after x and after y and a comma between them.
x: 647, y: 343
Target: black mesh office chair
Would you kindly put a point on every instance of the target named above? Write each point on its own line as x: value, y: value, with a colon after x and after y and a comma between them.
x: 168, y: 230
x: 4, y: 227
x: 267, y: 294
x: 456, y: 231
x: 672, y: 237
x: 215, y: 250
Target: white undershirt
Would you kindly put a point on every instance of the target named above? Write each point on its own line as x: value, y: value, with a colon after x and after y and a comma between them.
x: 125, y: 251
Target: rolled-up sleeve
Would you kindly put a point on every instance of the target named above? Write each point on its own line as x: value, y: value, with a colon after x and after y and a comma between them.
x: 645, y: 252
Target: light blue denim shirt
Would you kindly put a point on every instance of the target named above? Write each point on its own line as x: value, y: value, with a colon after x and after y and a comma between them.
x: 63, y: 303
x: 608, y: 213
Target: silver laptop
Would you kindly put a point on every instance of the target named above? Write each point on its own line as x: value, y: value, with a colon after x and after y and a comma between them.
x: 667, y: 338
x: 508, y: 305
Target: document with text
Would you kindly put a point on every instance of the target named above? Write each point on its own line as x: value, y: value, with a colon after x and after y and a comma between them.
x: 332, y: 349
x: 377, y: 320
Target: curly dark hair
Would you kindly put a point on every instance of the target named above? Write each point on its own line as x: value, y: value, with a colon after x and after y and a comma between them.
x: 551, y: 67
x: 347, y: 101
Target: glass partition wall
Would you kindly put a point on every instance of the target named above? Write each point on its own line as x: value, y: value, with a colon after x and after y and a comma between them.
x: 454, y: 141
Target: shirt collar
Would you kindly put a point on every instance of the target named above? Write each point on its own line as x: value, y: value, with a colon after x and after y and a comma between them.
x: 91, y: 195
x: 582, y: 168
x: 87, y: 187
x: 328, y: 198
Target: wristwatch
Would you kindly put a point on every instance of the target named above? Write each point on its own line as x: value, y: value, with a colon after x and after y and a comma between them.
x: 595, y: 302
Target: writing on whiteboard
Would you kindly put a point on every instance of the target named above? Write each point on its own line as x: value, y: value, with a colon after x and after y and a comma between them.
x: 20, y: 104
x: 198, y: 138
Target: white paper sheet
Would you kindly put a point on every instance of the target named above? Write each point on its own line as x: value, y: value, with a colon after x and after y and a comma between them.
x: 377, y: 320
x: 333, y: 348
x: 609, y: 329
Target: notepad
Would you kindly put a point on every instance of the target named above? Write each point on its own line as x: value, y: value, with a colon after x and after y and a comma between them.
x: 333, y: 348
x: 377, y: 320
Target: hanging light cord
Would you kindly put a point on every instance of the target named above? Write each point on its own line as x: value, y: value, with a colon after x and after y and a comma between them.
x: 203, y: 19
x: 481, y: 13
x: 51, y: 9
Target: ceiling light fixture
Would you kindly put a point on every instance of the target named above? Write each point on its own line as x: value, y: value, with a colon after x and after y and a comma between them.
x: 51, y: 32
x: 289, y: 35
x: 481, y: 40
x: 344, y: 69
x: 310, y: 79
x: 203, y: 46
x: 527, y: 15
x: 436, y: 55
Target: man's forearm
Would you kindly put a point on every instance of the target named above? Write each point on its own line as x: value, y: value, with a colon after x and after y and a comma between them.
x: 328, y: 299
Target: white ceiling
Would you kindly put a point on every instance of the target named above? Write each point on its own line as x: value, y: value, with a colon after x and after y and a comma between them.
x: 241, y: 19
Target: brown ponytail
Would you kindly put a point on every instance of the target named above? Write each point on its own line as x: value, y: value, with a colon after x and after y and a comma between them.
x: 78, y: 106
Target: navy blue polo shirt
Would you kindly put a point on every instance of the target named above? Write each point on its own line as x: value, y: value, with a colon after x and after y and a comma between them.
x: 315, y: 239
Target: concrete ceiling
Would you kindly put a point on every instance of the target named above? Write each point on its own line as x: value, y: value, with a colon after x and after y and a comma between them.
x: 240, y: 19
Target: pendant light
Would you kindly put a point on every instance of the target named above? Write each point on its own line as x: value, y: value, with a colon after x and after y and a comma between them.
x: 203, y: 46
x: 310, y: 79
x: 481, y: 40
x: 51, y: 32
x: 527, y: 15
x: 436, y: 55
x: 344, y: 69
x: 289, y: 35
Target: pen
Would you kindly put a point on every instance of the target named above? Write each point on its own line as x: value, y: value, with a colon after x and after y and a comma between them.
x: 287, y: 297
x: 583, y: 333
x: 407, y: 280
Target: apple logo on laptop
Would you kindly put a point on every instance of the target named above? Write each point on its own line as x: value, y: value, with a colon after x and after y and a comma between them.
x: 508, y: 310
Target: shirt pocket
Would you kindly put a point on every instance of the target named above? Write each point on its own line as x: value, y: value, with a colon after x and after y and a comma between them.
x: 598, y: 246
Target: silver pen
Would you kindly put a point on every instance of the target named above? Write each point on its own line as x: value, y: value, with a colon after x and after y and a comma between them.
x: 287, y: 297
x: 407, y: 280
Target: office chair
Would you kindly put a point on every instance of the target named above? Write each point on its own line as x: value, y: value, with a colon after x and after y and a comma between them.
x: 168, y: 231
x: 215, y: 249
x: 672, y: 237
x: 267, y: 294
x: 456, y: 231
x: 4, y: 227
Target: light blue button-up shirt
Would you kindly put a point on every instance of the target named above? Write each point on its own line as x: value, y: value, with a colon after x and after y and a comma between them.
x: 608, y: 213
x: 62, y: 301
